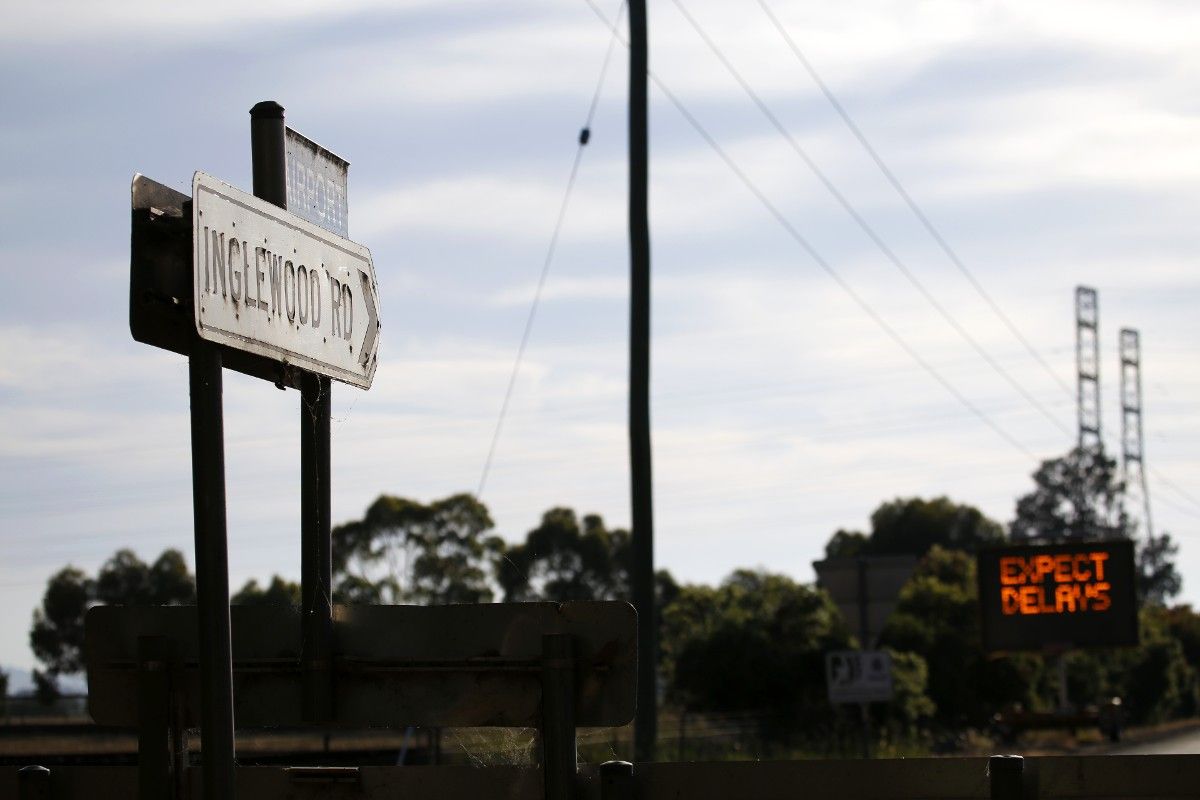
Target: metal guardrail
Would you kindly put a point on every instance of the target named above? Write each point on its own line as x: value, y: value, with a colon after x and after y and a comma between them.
x: 1166, y: 777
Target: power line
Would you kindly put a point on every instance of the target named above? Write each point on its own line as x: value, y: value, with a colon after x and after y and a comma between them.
x: 825, y: 266
x: 1158, y: 476
x: 584, y: 135
x: 909, y: 201
x: 862, y: 223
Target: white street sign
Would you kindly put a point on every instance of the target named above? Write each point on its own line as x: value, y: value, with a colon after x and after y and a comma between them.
x: 279, y: 286
x: 859, y: 676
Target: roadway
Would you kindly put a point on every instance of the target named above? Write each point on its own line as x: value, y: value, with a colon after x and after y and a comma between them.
x: 1182, y: 743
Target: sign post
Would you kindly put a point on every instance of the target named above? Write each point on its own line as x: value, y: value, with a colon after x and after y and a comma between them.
x: 865, y: 590
x: 280, y: 297
x: 212, y: 570
x: 268, y: 146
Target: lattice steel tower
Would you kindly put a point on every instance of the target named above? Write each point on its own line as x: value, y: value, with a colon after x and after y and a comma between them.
x: 1087, y: 361
x: 1133, y: 457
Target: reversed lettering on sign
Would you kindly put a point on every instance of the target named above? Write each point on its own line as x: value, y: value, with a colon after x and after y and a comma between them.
x: 316, y: 182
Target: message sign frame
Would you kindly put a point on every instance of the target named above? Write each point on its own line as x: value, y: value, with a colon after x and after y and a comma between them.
x: 1037, y: 628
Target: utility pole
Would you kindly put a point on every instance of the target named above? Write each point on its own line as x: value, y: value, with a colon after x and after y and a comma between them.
x: 645, y: 720
x: 1133, y: 456
x: 1087, y: 362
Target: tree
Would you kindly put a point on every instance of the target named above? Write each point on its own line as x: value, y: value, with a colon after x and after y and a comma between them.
x: 561, y: 560
x: 1076, y: 498
x: 937, y: 617
x: 1158, y: 579
x: 404, y: 550
x: 280, y: 592
x: 127, y: 580
x: 56, y: 636
x: 914, y: 525
x: 755, y: 643
x: 1080, y: 497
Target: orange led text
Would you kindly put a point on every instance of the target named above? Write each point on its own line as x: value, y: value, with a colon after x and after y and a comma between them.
x: 1066, y: 583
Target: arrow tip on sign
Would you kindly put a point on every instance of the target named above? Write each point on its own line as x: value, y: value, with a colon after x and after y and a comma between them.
x: 372, y: 335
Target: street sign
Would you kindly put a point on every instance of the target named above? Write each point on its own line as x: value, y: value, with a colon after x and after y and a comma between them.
x: 865, y: 589
x: 1033, y: 597
x: 317, y: 182
x: 859, y: 676
x: 272, y: 284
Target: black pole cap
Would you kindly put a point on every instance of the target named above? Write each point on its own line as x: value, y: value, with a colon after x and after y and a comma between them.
x: 267, y: 109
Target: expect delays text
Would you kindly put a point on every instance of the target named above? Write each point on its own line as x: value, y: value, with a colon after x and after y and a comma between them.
x: 1066, y: 583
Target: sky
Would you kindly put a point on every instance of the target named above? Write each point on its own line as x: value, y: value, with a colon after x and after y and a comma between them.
x: 1051, y: 144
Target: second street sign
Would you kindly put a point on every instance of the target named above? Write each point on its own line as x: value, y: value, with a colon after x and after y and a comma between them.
x: 273, y: 284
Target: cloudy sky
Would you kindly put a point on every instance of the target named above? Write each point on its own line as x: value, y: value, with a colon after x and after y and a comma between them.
x: 1052, y: 144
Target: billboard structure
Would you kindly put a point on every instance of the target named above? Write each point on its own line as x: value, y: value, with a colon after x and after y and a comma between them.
x: 1039, y: 597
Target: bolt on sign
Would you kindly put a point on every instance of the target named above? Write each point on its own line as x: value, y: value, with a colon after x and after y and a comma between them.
x: 273, y: 284
x: 1068, y: 595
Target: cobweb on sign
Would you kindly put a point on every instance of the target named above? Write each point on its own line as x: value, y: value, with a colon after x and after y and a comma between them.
x: 495, y: 747
x: 520, y: 747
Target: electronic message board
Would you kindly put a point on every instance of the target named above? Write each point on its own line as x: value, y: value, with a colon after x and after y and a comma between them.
x: 1034, y: 597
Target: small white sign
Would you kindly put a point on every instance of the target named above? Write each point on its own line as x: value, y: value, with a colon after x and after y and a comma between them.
x: 279, y: 286
x: 859, y: 676
x: 317, y: 182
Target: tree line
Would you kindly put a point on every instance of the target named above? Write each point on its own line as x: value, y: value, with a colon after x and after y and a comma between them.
x: 755, y: 642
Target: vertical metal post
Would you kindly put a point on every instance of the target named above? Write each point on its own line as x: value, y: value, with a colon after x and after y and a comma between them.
x: 559, y: 757
x: 154, y: 719
x: 179, y: 737
x: 1005, y: 777
x: 646, y: 719
x: 316, y: 554
x: 682, y: 735
x: 864, y: 643
x: 268, y: 154
x: 212, y: 570
x: 33, y: 783
x: 1064, y: 697
x: 616, y: 780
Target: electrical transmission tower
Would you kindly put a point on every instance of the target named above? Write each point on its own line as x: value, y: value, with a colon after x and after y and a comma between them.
x: 1087, y: 361
x: 1133, y: 458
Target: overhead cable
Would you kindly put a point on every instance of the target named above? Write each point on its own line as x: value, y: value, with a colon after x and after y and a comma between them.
x: 825, y: 266
x: 921, y: 216
x: 584, y: 136
x: 865, y: 226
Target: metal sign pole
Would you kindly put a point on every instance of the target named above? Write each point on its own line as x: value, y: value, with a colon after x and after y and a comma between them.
x: 212, y: 570
x: 267, y: 147
x: 646, y: 723
x: 864, y: 634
